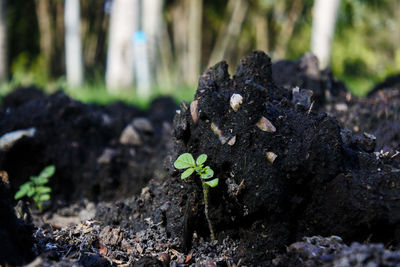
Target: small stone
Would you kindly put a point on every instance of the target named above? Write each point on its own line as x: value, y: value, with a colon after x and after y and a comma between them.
x: 130, y: 136
x: 341, y: 107
x: 232, y: 141
x: 218, y: 132
x: 370, y: 136
x: 236, y: 101
x: 194, y: 111
x: 143, y: 124
x: 107, y: 155
x: 265, y: 125
x: 9, y: 139
x: 271, y: 156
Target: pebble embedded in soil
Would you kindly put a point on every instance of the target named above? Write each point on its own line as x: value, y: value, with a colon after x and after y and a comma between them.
x: 265, y: 125
x: 130, y: 136
x: 271, y: 156
x: 235, y: 102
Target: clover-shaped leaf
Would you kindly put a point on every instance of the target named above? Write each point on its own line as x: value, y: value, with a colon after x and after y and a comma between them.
x: 201, y: 159
x: 187, y: 173
x: 212, y: 183
x: 184, y: 161
x: 208, y: 173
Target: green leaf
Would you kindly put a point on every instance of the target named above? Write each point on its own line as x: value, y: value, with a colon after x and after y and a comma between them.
x: 184, y: 161
x: 31, y: 192
x: 208, y: 173
x: 43, y: 189
x: 201, y: 159
x: 25, y: 187
x: 40, y: 180
x: 48, y: 171
x: 20, y: 194
x: 44, y: 197
x: 187, y: 173
x: 212, y: 183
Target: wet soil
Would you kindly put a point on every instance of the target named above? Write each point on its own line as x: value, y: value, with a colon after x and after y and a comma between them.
x: 296, y: 155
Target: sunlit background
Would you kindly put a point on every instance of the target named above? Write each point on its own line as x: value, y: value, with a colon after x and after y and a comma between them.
x: 132, y: 50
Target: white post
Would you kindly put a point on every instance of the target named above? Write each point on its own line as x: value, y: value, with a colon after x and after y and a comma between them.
x: 73, y: 45
x: 323, y: 27
x: 142, y: 68
x: 120, y: 60
x: 151, y: 21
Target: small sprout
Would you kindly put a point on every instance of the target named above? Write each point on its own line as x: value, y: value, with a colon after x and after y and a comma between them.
x: 36, y: 187
x: 186, y: 161
x: 236, y: 101
x: 271, y: 156
x: 265, y: 125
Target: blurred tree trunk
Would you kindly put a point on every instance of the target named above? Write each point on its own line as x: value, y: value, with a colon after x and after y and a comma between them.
x: 323, y: 27
x: 236, y: 10
x: 167, y: 67
x: 123, y: 24
x: 261, y: 31
x: 194, y: 40
x: 73, y: 45
x: 179, y: 28
x: 286, y: 32
x: 46, y: 33
x: 3, y: 41
x: 94, y: 26
x: 152, y: 19
x: 60, y: 37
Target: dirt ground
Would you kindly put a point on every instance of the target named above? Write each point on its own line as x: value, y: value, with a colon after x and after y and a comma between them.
x: 308, y: 174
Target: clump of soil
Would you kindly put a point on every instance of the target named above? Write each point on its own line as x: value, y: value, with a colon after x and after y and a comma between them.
x: 285, y: 171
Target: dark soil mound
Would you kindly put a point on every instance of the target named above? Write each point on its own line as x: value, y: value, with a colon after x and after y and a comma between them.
x: 377, y: 115
x: 99, y: 152
x: 332, y: 252
x: 391, y: 82
x: 305, y: 74
x: 16, y: 241
x: 285, y: 171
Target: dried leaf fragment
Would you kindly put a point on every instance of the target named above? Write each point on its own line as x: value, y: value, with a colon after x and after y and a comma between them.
x: 189, y: 257
x: 265, y: 125
x: 103, y: 249
x: 271, y: 156
x: 194, y: 111
x: 236, y: 101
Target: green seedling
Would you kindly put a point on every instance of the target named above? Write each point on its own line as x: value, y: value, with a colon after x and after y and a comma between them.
x: 186, y: 161
x: 36, y: 187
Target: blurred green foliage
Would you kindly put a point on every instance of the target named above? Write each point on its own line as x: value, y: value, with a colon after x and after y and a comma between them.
x: 365, y: 48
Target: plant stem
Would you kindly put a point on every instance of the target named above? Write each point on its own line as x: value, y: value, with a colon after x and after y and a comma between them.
x: 205, y: 196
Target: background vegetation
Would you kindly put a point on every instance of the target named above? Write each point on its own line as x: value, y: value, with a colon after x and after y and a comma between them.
x: 365, y: 46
